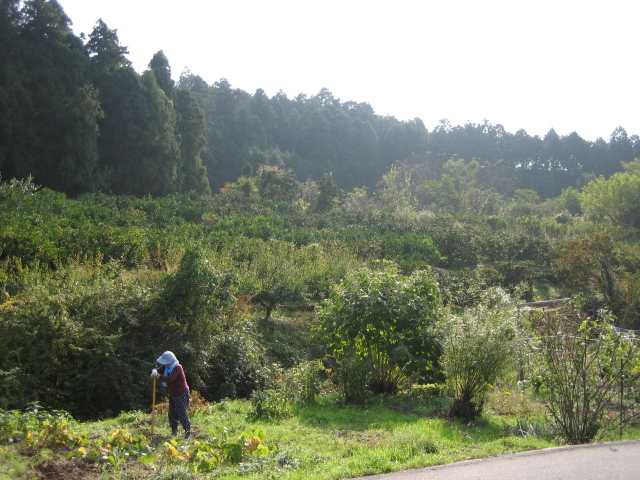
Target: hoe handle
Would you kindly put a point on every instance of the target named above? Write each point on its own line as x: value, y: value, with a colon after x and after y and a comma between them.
x: 153, y: 405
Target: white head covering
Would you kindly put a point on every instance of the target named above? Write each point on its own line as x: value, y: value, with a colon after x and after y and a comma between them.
x: 167, y: 358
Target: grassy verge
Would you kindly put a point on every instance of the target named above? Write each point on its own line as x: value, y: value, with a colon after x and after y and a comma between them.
x: 323, y: 441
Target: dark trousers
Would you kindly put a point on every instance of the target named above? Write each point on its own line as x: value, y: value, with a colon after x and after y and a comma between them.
x: 178, y: 411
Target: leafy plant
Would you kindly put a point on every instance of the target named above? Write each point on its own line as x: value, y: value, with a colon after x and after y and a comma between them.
x: 120, y: 446
x: 204, y: 456
x: 270, y: 404
x: 288, y: 387
x: 385, y: 318
x: 36, y: 426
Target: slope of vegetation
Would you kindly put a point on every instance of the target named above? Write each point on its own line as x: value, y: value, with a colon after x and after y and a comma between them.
x: 93, y: 288
x: 358, y: 296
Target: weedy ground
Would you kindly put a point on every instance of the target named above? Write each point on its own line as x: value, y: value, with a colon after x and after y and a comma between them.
x: 327, y: 440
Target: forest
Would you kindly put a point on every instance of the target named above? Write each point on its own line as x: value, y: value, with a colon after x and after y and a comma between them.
x: 78, y: 118
x: 287, y: 249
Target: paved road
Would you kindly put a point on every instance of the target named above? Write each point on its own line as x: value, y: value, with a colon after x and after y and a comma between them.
x: 600, y: 461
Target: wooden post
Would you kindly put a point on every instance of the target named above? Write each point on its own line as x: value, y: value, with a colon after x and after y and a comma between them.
x: 153, y: 406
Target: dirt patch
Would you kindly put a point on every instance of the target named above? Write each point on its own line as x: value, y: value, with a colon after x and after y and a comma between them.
x: 360, y: 437
x: 439, y: 413
x: 29, y: 451
x: 403, y: 407
x: 66, y: 470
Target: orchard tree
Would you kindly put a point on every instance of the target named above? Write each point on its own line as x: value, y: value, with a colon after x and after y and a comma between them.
x: 384, y: 319
x: 276, y: 272
x: 602, y: 265
x: 273, y: 278
x: 588, y: 265
x: 275, y: 183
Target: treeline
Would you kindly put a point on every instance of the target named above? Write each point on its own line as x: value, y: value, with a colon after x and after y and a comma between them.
x: 77, y: 117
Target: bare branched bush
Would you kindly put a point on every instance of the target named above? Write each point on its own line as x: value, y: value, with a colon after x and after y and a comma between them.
x: 589, y: 374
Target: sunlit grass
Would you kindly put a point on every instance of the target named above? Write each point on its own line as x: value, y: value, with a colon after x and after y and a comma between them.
x: 13, y: 466
x: 328, y: 441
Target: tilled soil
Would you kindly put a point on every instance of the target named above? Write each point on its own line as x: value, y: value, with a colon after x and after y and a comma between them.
x: 67, y: 470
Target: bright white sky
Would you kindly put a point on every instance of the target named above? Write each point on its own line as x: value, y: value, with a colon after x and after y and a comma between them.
x: 570, y: 65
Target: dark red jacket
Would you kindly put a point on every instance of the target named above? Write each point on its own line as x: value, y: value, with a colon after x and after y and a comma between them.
x: 176, y: 381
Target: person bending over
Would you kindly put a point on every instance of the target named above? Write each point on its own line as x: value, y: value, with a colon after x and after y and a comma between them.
x: 171, y: 374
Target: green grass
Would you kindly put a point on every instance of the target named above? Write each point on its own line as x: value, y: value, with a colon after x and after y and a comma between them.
x: 390, y: 434
x: 328, y: 440
x: 17, y: 464
x: 13, y: 466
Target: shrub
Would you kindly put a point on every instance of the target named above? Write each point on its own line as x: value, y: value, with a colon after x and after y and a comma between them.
x: 269, y: 405
x: 459, y: 244
x: 517, y: 275
x: 354, y: 379
x: 288, y: 387
x: 235, y: 367
x: 189, y: 311
x: 384, y: 318
x: 590, y: 374
x: 478, y: 346
x: 464, y: 287
x: 71, y: 339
